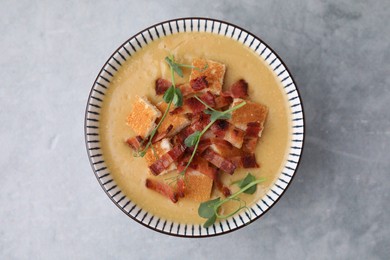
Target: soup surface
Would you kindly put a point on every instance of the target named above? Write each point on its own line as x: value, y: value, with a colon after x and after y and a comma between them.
x: 137, y: 76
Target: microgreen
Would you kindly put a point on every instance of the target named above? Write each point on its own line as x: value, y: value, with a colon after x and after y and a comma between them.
x: 168, y: 95
x: 209, y: 209
x: 174, y: 66
x: 248, y: 179
x: 194, y: 139
x: 206, y: 209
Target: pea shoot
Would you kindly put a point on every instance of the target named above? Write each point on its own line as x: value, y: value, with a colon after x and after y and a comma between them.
x: 209, y: 209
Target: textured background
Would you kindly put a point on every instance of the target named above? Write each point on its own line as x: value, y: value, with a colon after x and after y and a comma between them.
x: 51, y: 206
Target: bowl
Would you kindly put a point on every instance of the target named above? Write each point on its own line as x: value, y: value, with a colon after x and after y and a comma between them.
x: 102, y: 83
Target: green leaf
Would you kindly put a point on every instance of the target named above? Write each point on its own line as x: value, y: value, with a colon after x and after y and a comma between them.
x: 225, y: 116
x: 248, y: 179
x: 168, y: 95
x: 207, y: 209
x: 210, y: 221
x: 176, y: 68
x: 208, y: 111
x: 215, y: 115
x: 192, y: 139
x: 178, y: 98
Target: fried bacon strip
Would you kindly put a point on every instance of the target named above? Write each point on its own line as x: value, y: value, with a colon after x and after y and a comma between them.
x: 135, y: 142
x: 163, y: 189
x: 219, y: 161
x: 198, y: 123
x: 223, y: 101
x: 199, y: 83
x: 162, y: 85
x: 159, y: 136
x: 245, y: 161
x: 204, y: 167
x: 238, y: 90
x: 181, y: 187
x: 228, y: 132
x: 166, y: 159
x: 251, y: 137
x: 208, y: 98
x: 190, y: 106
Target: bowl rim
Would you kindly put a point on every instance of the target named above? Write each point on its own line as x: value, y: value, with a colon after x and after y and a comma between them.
x: 300, y: 103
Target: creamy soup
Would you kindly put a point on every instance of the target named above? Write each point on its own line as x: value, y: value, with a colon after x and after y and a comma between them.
x: 137, y: 76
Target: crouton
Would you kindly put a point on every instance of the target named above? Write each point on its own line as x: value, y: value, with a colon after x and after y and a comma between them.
x: 161, y: 148
x: 143, y: 116
x: 214, y: 74
x: 197, y: 186
x: 250, y: 113
x: 178, y: 121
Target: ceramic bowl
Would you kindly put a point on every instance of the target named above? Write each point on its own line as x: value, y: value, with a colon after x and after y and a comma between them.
x: 102, y: 83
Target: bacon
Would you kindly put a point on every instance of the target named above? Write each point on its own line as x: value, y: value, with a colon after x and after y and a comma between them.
x: 204, y: 167
x: 162, y: 188
x: 176, y: 152
x: 239, y: 89
x: 253, y: 129
x: 251, y: 137
x: 221, y: 187
x: 249, y: 145
x: 220, y: 127
x: 245, y: 161
x: 208, y: 98
x: 228, y: 132
x: 160, y: 136
x: 181, y: 187
x: 223, y: 101
x: 199, y: 83
x: 182, y: 162
x: 219, y: 161
x: 190, y: 106
x: 182, y: 135
x: 249, y: 161
x: 203, y: 145
x: 162, y: 85
x: 200, y: 121
x: 135, y: 142
x: 166, y: 159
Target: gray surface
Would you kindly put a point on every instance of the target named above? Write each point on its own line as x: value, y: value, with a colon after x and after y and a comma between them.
x: 51, y: 204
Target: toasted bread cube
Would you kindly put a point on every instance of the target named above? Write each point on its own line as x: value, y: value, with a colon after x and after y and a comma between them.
x: 160, y: 148
x: 251, y: 112
x: 143, y: 116
x: 178, y: 121
x: 214, y: 73
x: 197, y: 186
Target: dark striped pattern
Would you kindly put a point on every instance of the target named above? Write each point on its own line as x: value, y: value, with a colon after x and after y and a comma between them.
x: 102, y: 82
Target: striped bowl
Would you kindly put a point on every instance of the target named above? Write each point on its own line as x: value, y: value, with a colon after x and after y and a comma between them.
x: 102, y: 83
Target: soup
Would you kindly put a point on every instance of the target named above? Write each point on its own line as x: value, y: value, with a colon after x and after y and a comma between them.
x: 137, y: 77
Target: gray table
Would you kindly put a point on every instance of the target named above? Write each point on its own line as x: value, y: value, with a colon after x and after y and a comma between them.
x: 51, y: 206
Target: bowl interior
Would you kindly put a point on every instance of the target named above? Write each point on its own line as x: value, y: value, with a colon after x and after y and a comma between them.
x: 102, y: 83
